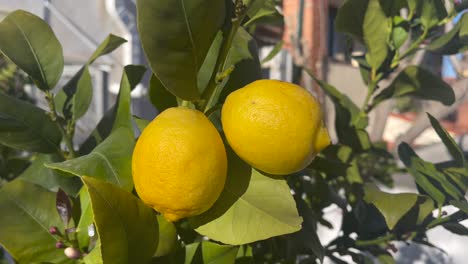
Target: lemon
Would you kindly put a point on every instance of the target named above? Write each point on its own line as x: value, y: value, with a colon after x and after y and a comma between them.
x: 274, y: 126
x: 179, y: 164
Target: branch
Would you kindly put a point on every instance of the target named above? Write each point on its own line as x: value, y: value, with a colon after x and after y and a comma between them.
x: 55, y: 118
x: 213, y: 89
x: 439, y: 111
x: 455, y: 217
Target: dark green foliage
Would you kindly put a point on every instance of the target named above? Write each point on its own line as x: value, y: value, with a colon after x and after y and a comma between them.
x: 199, y: 51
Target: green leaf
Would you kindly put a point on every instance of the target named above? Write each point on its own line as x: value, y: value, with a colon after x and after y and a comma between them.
x: 141, y: 123
x: 454, y: 41
x: 345, y: 156
x: 75, y: 98
x: 339, y: 99
x: 244, y: 57
x: 462, y: 205
x: 111, y: 43
x: 159, y: 96
x: 84, y: 94
x: 95, y: 256
x: 417, y: 167
x: 252, y: 207
x: 259, y: 9
x: 28, y: 211
x: 458, y: 177
x: 400, y: 31
x: 178, y: 33
x: 393, y: 8
x: 352, y: 10
x: 349, y: 123
x: 12, y: 163
x: 52, y: 180
x: 244, y: 251
x: 394, y: 206
x: 120, y: 114
x: 413, y: 5
x: 376, y: 32
x: 449, y: 142
x: 432, y: 12
x: 101, y: 132
x: 214, y: 115
x: 352, y: 173
x: 33, y: 130
x: 425, y: 207
x: 329, y: 166
x: 167, y: 237
x: 208, y: 67
x: 416, y: 81
x: 31, y: 44
x: 306, y: 240
x: 86, y: 219
x: 110, y: 161
x: 427, y: 177
x: 208, y: 252
x: 190, y: 252
x: 127, y: 228
x: 385, y: 259
x: 456, y: 228
x: 10, y: 124
x: 131, y: 76
x: 65, y: 98
x: 276, y: 49
x: 218, y: 254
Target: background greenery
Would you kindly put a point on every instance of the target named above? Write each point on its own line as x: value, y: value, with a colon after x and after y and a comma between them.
x: 203, y: 52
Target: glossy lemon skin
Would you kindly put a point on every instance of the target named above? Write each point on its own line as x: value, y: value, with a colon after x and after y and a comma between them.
x: 179, y: 163
x: 274, y: 126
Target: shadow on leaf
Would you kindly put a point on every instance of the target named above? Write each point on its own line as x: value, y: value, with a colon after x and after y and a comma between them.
x: 237, y: 181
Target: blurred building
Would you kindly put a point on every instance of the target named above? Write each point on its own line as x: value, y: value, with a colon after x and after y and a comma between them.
x: 81, y: 26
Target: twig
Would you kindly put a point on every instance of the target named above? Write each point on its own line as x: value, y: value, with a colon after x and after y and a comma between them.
x: 213, y: 89
x: 55, y: 118
x: 413, y: 46
x: 455, y: 217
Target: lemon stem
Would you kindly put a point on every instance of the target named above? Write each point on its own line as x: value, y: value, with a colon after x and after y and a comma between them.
x: 214, y: 87
x: 415, y: 45
x: 370, y: 91
x: 185, y: 103
x: 366, y: 107
x: 66, y: 134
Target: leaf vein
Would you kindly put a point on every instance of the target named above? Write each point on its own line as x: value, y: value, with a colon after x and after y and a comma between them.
x: 31, y: 215
x: 189, y: 30
x: 114, y: 173
x: 259, y: 209
x: 113, y: 210
x: 33, y: 53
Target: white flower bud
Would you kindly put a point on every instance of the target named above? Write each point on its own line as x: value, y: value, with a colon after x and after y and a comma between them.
x: 72, y: 253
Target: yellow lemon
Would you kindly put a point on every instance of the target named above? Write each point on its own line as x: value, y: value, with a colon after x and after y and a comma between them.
x: 274, y: 126
x: 179, y: 164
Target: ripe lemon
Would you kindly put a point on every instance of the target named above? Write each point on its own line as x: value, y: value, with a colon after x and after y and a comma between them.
x: 274, y: 126
x: 179, y: 164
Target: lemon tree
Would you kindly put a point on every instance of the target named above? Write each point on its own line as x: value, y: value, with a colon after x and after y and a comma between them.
x: 235, y: 168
